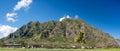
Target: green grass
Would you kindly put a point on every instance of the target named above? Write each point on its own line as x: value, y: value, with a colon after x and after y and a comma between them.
x: 16, y: 49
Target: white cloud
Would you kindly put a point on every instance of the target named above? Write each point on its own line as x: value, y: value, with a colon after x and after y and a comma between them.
x: 64, y: 18
x: 22, y: 4
x: 67, y: 16
x: 18, y: 6
x: 11, y: 19
x: 11, y: 16
x: 76, y: 16
x: 61, y: 18
x: 5, y: 30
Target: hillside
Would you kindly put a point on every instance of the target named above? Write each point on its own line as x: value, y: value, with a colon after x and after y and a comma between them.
x: 63, y: 34
x: 118, y: 40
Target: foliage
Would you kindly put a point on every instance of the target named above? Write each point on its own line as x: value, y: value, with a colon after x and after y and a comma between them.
x: 67, y: 32
x: 18, y: 49
x: 1, y: 42
x: 79, y: 37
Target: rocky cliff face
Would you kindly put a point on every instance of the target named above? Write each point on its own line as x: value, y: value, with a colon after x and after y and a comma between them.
x: 74, y: 31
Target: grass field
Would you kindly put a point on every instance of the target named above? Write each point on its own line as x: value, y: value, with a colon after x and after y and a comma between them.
x: 16, y: 49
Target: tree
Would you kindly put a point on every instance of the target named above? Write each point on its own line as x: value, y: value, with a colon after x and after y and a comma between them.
x: 1, y: 42
x: 79, y: 37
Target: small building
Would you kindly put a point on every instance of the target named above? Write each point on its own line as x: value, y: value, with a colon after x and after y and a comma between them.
x: 13, y: 45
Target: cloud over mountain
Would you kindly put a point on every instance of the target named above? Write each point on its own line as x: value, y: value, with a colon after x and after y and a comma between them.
x: 6, y: 30
x: 64, y: 17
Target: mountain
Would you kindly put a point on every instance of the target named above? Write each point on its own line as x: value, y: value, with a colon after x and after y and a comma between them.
x: 65, y: 33
x: 118, y: 40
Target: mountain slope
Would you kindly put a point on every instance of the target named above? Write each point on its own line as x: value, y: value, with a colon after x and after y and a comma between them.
x: 67, y: 32
x: 118, y: 40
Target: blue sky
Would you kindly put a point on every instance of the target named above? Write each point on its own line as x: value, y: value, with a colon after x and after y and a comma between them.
x: 103, y: 14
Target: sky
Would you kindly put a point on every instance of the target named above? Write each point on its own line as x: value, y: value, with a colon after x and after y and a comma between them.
x: 102, y: 14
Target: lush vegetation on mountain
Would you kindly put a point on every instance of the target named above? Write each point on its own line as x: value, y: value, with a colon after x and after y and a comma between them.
x: 64, y: 34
